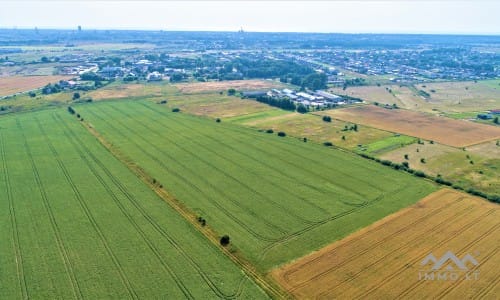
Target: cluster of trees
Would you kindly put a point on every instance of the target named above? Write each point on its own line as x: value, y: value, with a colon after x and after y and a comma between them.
x: 438, y: 179
x: 285, y: 104
x: 51, y: 89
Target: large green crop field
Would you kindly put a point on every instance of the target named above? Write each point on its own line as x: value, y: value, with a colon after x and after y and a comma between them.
x: 77, y: 223
x: 277, y: 198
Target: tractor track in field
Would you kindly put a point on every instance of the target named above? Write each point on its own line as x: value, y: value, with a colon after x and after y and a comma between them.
x: 420, y: 257
x: 464, y: 248
x: 256, y: 160
x: 485, y: 291
x: 153, y: 249
x: 278, y: 205
x: 150, y: 220
x: 422, y: 218
x: 15, y: 232
x: 484, y: 259
x: 271, y: 289
x: 378, y: 243
x: 287, y: 162
x: 194, y: 187
x: 63, y: 251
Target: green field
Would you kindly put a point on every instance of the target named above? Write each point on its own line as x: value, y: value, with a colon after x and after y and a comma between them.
x: 277, y: 198
x: 387, y: 144
x: 76, y: 223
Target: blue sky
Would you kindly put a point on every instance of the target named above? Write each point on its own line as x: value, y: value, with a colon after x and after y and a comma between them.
x: 368, y: 16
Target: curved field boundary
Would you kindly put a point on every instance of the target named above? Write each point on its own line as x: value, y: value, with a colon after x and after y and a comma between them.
x: 15, y: 232
x: 212, y: 201
x: 379, y: 243
x: 73, y: 138
x: 63, y: 252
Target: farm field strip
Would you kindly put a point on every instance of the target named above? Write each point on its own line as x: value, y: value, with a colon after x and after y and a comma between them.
x: 162, y: 143
x: 456, y: 133
x: 324, y: 270
x: 16, y: 84
x: 383, y: 259
x: 207, y: 187
x: 159, y: 251
x: 150, y: 220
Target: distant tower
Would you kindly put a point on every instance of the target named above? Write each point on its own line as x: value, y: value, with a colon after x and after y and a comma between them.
x: 79, y: 28
x: 241, y: 30
x: 36, y: 30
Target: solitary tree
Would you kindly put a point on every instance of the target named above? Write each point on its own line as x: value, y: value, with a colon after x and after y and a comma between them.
x: 76, y: 96
x: 224, y: 240
x: 231, y: 92
x: 495, y: 120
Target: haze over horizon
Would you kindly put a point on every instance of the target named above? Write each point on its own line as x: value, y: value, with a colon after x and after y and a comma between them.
x: 413, y: 17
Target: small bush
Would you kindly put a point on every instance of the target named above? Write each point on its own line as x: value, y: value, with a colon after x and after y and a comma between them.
x: 328, y: 144
x: 176, y: 110
x: 217, y: 120
x: 327, y: 118
x: 405, y: 164
x: 282, y: 134
x: 305, y: 140
x: 269, y: 131
x: 419, y: 174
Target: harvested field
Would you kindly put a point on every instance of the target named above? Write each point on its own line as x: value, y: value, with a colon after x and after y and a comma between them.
x: 450, y: 132
x: 132, y: 90
x: 384, y: 260
x: 16, y: 84
x: 222, y: 86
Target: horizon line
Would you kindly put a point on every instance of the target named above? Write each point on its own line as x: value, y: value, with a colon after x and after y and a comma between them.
x: 249, y: 31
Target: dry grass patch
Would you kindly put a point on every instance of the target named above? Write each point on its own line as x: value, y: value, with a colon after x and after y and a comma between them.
x: 314, y: 128
x: 222, y: 86
x: 16, y: 84
x: 383, y: 260
x: 451, y: 132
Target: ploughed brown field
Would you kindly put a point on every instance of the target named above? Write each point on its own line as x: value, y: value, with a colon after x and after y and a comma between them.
x: 223, y: 86
x: 456, y: 133
x: 384, y: 260
x: 16, y: 84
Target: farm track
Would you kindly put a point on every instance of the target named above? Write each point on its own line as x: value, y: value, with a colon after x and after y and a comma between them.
x: 419, y: 258
x: 187, y: 182
x: 275, y: 291
x: 278, y: 205
x: 464, y: 248
x: 63, y: 252
x: 15, y: 232
x: 378, y: 243
x: 383, y: 258
x: 76, y: 141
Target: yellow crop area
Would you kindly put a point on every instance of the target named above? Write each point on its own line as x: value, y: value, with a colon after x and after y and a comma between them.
x: 387, y: 260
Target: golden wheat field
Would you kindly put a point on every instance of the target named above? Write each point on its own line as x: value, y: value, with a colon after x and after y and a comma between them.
x: 385, y: 260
